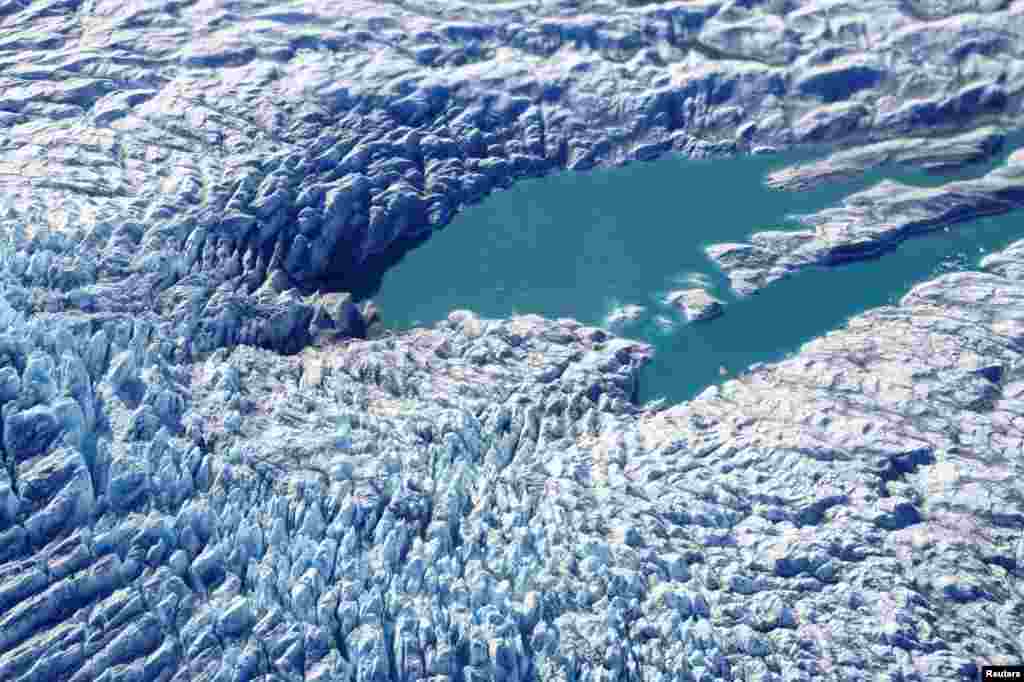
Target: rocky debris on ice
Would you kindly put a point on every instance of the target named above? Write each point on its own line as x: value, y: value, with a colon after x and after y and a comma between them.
x: 934, y: 154
x: 697, y: 305
x: 866, y: 224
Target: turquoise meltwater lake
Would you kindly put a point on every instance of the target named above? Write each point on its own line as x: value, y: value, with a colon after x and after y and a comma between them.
x: 582, y: 245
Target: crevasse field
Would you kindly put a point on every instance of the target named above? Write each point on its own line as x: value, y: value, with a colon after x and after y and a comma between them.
x: 218, y: 467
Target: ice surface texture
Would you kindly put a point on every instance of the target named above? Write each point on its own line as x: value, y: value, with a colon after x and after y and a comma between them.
x: 192, y: 490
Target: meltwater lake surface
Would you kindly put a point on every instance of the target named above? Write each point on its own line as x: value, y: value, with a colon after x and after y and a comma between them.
x: 581, y: 245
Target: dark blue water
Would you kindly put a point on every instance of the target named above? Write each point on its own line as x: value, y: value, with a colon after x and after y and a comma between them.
x: 584, y: 244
